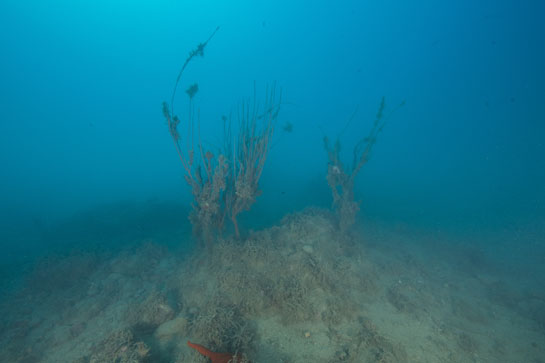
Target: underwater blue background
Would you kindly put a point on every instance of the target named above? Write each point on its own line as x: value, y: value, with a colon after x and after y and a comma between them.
x: 81, y: 87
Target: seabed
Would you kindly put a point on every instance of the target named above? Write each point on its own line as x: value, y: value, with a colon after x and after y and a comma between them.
x: 295, y: 292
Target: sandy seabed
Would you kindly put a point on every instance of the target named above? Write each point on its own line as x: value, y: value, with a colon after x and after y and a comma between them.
x: 295, y: 292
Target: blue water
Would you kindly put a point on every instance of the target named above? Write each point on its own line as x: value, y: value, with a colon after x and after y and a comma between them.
x: 81, y: 128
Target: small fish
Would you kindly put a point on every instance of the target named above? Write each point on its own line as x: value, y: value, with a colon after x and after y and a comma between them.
x: 288, y: 127
x: 192, y: 90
